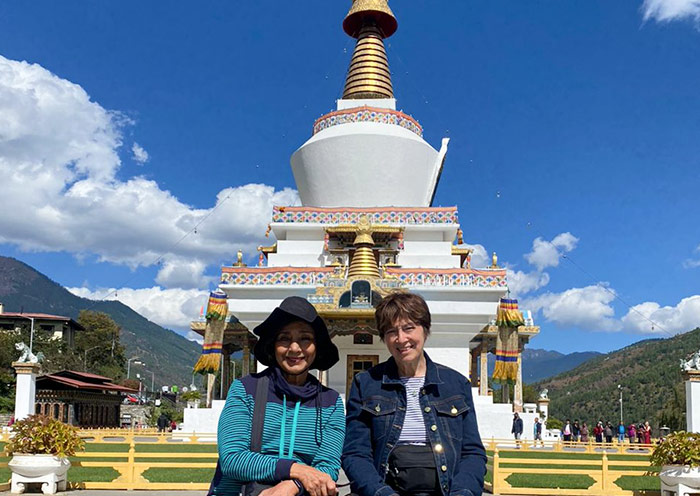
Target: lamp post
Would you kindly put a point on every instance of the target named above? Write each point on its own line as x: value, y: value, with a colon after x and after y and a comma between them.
x: 128, y: 365
x: 153, y: 378
x: 85, y: 357
x: 619, y: 387
x: 31, y: 333
x: 193, y: 386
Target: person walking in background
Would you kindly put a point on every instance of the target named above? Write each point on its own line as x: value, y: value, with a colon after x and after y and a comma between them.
x: 584, y: 432
x: 163, y: 422
x: 566, y: 431
x: 517, y: 429
x: 647, y: 433
x: 537, y: 431
x: 621, y: 433
x: 640, y: 433
x: 608, y: 432
x: 598, y: 432
x: 575, y: 432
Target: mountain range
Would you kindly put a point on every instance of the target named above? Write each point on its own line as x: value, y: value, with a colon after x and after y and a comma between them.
x: 168, y: 354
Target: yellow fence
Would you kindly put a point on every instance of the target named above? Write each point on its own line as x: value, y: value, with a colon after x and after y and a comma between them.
x: 508, y: 459
x: 557, y: 446
x: 132, y: 464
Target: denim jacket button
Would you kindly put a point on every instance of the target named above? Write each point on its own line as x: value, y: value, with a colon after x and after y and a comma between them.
x: 427, y: 409
x: 433, y: 427
x: 444, y: 468
x: 438, y: 448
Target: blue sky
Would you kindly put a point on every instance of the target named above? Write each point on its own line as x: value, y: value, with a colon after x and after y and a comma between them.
x: 574, y: 126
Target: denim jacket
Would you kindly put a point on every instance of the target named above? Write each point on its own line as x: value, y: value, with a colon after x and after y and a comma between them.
x: 376, y: 408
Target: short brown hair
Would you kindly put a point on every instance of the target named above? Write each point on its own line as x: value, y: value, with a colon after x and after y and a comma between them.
x: 409, y: 306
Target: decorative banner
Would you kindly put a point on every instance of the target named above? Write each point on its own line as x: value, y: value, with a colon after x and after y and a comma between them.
x: 508, y: 319
x: 217, y: 310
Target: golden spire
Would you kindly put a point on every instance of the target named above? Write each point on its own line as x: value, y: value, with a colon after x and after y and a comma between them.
x: 363, y: 262
x: 370, y: 21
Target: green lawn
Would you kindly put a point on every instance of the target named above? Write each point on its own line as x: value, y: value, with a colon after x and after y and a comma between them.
x: 179, y: 475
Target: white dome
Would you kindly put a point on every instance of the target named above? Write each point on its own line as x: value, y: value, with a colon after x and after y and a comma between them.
x: 367, y: 164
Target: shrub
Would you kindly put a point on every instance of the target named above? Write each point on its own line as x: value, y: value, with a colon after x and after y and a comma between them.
x: 38, y: 434
x: 191, y: 396
x: 554, y: 423
x: 680, y: 448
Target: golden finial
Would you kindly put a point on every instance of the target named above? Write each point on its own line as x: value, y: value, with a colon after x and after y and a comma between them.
x: 369, y: 77
x: 370, y: 11
x: 494, y: 261
x: 460, y: 237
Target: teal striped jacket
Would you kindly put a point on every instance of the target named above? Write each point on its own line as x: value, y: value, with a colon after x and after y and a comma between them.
x: 317, y: 441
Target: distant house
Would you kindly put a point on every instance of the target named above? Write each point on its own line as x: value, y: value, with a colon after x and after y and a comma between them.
x: 80, y: 399
x: 63, y: 328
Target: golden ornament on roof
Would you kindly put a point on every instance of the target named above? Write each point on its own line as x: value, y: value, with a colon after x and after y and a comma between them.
x: 370, y: 11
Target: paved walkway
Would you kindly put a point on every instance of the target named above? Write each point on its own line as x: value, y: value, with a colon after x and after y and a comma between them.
x: 109, y: 492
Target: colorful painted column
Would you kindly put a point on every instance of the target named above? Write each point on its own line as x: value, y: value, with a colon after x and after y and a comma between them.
x: 484, y: 373
x: 518, y: 389
x: 246, y: 359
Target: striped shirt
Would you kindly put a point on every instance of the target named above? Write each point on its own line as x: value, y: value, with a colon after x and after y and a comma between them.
x: 413, y: 430
x: 240, y: 465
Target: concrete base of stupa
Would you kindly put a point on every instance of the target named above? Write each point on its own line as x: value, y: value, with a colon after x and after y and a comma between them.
x: 495, y: 419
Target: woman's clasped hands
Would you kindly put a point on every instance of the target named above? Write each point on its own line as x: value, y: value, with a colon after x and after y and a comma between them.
x: 315, y: 482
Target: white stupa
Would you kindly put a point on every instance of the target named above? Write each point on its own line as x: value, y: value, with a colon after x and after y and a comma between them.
x: 367, y: 179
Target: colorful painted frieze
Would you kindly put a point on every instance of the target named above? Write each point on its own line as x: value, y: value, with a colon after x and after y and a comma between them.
x: 368, y: 114
x: 389, y: 215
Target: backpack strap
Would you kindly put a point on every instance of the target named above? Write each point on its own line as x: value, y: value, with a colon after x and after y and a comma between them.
x: 257, y: 426
x: 259, y: 413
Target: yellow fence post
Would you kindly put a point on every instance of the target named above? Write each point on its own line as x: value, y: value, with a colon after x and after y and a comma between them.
x: 605, y: 474
x: 496, y: 473
x: 131, y: 479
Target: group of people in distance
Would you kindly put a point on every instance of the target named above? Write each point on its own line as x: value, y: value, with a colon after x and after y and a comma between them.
x: 409, y: 426
x: 605, y: 431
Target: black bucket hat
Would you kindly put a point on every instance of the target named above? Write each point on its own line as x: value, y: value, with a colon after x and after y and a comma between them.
x: 293, y: 309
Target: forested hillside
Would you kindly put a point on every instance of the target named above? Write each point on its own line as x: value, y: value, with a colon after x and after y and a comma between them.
x: 168, y: 354
x: 648, y: 373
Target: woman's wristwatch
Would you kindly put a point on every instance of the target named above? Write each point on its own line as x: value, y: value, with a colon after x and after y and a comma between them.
x: 300, y: 487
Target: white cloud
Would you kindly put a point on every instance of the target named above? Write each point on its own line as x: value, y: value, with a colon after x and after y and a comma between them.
x: 184, y: 273
x: 584, y: 308
x: 139, y: 154
x: 520, y: 283
x: 59, y: 154
x: 548, y: 253
x: 193, y: 336
x: 479, y: 257
x: 692, y: 263
x: 683, y: 317
x: 170, y: 308
x: 671, y: 10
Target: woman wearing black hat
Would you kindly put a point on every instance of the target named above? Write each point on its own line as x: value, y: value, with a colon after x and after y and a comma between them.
x: 304, y: 422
